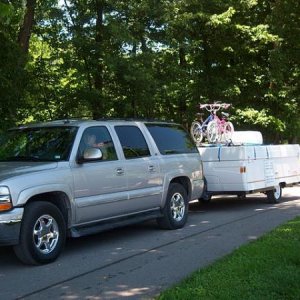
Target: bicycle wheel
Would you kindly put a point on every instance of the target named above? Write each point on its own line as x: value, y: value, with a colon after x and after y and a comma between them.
x: 228, y: 131
x: 212, y: 132
x: 196, y: 132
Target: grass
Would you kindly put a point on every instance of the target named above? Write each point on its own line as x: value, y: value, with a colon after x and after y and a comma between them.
x: 268, y: 268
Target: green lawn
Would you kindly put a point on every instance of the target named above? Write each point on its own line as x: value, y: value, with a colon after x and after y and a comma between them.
x: 268, y: 268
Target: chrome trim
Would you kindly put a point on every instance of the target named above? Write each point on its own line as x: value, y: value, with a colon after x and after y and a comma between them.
x: 116, y: 197
x: 13, y: 216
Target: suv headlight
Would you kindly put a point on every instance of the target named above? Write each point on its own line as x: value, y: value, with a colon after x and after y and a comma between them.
x: 5, y: 198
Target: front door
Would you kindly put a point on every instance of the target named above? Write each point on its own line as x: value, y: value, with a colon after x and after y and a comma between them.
x: 101, y: 185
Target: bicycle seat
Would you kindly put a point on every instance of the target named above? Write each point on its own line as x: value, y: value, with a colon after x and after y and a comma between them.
x: 225, y: 114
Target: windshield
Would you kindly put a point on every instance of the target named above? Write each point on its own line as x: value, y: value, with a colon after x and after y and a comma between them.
x: 37, y: 144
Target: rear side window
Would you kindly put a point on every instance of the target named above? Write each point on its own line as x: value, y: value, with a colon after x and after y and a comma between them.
x: 133, y: 142
x: 171, y: 139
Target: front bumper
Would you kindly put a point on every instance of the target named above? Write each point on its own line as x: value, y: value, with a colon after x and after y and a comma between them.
x: 10, y: 225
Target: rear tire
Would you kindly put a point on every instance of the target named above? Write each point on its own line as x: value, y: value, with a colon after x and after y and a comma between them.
x: 274, y: 196
x: 43, y: 234
x: 175, y: 212
x: 196, y: 132
x: 228, y: 131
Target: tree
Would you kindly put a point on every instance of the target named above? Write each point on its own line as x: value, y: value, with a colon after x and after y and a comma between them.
x: 284, y: 88
x: 12, y: 75
x: 154, y: 59
x: 26, y: 28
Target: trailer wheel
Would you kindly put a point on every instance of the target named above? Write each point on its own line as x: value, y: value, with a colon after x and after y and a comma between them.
x: 241, y: 196
x: 43, y: 234
x: 274, y: 196
x: 205, y: 197
x: 175, y: 212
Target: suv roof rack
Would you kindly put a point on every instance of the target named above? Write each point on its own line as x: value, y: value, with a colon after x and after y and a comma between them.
x: 133, y: 119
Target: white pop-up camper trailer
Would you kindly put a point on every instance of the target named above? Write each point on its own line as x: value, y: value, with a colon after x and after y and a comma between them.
x: 248, y: 168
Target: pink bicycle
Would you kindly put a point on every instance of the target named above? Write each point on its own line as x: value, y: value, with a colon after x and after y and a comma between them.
x: 220, y: 130
x: 213, y: 128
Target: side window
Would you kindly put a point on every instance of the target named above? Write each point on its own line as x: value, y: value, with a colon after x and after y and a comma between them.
x: 133, y: 142
x: 171, y: 138
x: 98, y: 137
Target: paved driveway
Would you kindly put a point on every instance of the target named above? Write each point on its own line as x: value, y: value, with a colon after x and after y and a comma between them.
x: 137, y: 262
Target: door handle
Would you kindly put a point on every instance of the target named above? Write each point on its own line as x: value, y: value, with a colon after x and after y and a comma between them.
x: 151, y: 168
x: 120, y: 171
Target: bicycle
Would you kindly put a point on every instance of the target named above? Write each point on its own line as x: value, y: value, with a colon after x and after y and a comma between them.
x: 199, y: 127
x: 213, y: 128
x: 220, y: 130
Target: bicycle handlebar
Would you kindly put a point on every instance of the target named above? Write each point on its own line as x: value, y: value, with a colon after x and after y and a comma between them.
x: 214, y: 107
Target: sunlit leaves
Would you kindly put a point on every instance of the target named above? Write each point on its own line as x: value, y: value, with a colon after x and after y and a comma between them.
x: 221, y: 19
x: 262, y: 118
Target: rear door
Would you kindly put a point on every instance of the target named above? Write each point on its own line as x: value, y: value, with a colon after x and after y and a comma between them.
x: 141, y: 168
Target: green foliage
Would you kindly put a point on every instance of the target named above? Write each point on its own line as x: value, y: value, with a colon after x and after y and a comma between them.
x: 155, y: 59
x: 12, y: 81
x: 5, y: 12
x: 261, y: 120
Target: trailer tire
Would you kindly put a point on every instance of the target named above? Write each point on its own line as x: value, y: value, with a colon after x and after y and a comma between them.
x: 241, y: 196
x: 205, y: 197
x: 274, y: 195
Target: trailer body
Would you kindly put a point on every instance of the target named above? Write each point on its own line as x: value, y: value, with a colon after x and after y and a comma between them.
x: 247, y: 169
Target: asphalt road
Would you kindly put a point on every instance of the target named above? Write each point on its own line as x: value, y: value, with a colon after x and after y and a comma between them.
x: 138, y: 262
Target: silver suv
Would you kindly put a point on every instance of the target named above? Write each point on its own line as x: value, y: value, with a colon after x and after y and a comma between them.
x: 79, y: 177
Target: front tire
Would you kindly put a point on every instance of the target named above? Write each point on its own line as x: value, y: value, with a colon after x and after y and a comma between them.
x: 212, y: 132
x: 175, y: 212
x: 274, y: 196
x: 43, y: 234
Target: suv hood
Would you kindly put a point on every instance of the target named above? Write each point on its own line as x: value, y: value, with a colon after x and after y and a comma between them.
x: 11, y: 169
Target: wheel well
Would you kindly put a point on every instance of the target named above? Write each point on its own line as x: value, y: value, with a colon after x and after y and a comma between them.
x: 59, y: 199
x: 185, y: 182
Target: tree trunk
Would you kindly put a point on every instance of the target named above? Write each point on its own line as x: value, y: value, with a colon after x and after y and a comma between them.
x: 207, y: 71
x: 98, y: 105
x: 26, y: 28
x: 182, y: 100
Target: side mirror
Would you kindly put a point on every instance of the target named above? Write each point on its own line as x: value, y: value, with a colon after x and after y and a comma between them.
x: 90, y: 154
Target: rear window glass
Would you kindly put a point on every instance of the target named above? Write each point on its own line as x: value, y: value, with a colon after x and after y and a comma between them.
x: 171, y: 139
x: 132, y: 141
